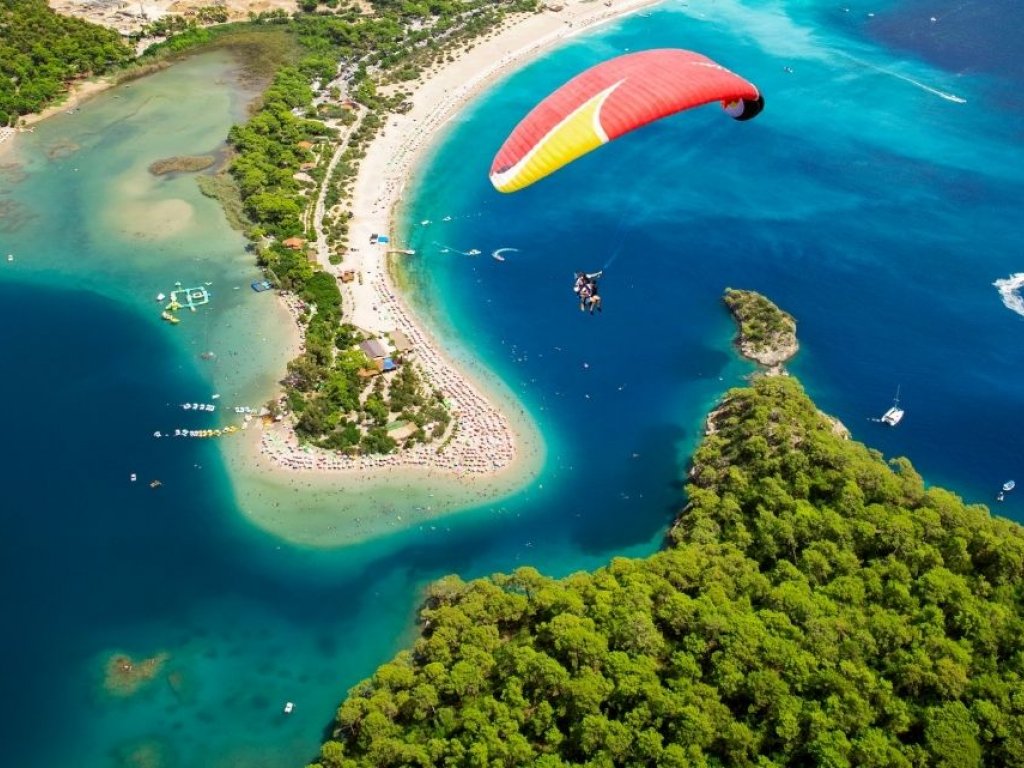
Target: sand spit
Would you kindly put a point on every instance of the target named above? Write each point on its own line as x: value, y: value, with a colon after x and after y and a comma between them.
x: 495, y: 449
x: 484, y: 441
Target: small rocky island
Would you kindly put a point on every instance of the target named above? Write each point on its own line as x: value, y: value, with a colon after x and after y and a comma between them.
x: 182, y: 164
x: 767, y: 335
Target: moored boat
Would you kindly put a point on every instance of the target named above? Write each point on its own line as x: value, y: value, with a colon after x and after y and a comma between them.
x: 894, y: 415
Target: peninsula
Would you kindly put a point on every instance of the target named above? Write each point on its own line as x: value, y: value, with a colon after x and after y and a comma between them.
x: 336, y: 423
x: 813, y: 602
x: 482, y: 438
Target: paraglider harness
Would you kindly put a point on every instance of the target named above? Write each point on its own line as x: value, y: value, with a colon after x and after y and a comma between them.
x: 586, y: 288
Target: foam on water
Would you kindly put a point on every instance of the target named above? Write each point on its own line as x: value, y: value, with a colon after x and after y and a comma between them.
x: 1010, y: 291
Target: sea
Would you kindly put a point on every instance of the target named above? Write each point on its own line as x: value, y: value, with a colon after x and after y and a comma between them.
x: 876, y: 199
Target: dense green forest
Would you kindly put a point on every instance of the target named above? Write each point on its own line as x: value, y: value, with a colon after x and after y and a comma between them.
x: 42, y: 51
x: 814, y: 605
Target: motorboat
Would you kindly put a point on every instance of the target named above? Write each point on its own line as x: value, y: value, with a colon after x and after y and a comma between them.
x: 1008, y: 486
x: 288, y: 707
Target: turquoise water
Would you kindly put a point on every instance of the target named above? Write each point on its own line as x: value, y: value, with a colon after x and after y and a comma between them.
x: 875, y: 198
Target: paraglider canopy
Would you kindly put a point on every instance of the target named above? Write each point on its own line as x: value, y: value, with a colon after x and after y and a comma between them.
x: 612, y: 99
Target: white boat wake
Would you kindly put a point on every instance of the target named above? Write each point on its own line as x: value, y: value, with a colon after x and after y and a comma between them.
x: 916, y: 83
x: 1010, y: 291
x: 449, y: 249
x: 941, y: 94
x: 498, y: 253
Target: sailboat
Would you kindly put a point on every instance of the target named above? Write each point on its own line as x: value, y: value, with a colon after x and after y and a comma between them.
x: 894, y: 415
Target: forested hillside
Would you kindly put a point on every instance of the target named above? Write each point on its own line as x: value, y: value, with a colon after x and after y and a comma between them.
x: 41, y: 51
x: 815, y: 605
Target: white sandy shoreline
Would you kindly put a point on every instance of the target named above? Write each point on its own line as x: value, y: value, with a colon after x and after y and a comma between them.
x: 486, y: 442
x: 498, y: 449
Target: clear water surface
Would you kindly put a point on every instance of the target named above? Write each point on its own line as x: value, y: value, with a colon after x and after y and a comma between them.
x: 875, y: 198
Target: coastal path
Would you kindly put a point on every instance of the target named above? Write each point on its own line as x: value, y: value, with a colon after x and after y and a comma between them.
x: 322, y: 246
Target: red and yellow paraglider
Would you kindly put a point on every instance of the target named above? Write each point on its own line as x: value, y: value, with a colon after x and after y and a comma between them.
x: 610, y: 100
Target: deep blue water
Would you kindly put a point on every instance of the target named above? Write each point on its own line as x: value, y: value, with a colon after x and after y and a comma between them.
x: 962, y: 36
x: 874, y: 199
x: 872, y: 207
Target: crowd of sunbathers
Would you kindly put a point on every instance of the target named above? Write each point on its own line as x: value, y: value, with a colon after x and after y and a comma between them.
x: 586, y: 288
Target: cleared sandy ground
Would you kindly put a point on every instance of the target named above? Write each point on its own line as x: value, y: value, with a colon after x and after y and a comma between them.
x: 125, y: 16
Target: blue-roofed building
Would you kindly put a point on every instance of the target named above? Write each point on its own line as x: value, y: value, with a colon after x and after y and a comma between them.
x: 388, y: 365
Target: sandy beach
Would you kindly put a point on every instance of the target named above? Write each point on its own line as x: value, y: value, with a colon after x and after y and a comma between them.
x: 495, y: 449
x: 78, y: 93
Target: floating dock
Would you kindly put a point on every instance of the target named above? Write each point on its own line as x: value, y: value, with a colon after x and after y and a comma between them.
x: 190, y: 297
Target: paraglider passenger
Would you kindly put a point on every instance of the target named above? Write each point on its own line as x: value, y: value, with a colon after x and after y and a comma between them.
x: 595, y: 297
x: 584, y: 296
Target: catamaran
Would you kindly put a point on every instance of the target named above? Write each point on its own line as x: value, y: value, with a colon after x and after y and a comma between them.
x: 894, y: 415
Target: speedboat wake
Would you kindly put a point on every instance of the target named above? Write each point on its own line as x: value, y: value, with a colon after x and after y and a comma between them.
x: 450, y: 249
